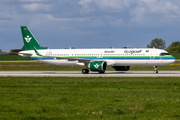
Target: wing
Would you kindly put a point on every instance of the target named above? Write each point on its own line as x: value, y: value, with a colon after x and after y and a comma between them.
x: 82, y: 60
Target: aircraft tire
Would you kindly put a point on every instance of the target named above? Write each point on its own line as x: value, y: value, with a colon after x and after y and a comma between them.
x: 155, y: 72
x: 101, y: 72
x: 85, y: 71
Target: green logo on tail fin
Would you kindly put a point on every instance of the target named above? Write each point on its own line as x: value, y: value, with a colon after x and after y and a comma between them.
x: 29, y: 39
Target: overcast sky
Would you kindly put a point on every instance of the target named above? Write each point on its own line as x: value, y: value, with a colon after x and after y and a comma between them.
x: 89, y: 23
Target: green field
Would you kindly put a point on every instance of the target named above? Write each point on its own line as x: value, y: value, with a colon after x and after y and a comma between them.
x: 12, y: 58
x: 36, y: 66
x: 63, y: 98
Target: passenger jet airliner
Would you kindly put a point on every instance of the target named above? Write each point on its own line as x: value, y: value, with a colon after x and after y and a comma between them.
x: 96, y: 60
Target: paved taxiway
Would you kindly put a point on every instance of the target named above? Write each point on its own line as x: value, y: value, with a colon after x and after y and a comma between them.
x: 91, y: 74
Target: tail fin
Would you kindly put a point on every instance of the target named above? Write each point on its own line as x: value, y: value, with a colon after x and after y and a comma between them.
x: 29, y: 39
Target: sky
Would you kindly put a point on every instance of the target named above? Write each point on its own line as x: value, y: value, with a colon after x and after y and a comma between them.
x: 59, y: 24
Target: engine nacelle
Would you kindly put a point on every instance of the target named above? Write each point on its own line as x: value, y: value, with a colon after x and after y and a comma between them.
x: 98, y: 66
x: 122, y: 68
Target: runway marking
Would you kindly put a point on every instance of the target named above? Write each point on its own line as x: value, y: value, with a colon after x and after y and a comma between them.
x: 91, y: 74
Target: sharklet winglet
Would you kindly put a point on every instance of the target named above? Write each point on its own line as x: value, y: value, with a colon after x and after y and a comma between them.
x: 37, y: 53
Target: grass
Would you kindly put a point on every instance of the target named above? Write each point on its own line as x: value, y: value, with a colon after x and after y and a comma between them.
x: 12, y: 58
x: 36, y: 66
x: 176, y: 55
x: 89, y: 98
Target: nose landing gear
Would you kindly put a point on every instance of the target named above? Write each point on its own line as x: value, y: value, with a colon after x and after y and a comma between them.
x: 155, y: 70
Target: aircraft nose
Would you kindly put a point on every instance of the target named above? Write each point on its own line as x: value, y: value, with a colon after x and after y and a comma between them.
x: 173, y: 60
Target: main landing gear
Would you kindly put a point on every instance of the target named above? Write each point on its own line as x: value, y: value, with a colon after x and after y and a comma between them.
x: 85, y: 71
x: 155, y: 70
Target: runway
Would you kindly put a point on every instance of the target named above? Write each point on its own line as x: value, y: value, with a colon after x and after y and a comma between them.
x: 91, y: 74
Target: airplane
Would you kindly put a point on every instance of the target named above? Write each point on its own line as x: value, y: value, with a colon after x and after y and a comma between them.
x: 96, y: 60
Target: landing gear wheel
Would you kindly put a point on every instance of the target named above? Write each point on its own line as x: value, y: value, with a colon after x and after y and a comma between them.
x: 101, y: 72
x: 155, y: 71
x: 85, y: 71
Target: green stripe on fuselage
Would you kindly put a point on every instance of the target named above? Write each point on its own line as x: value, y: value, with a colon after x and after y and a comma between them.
x: 108, y: 56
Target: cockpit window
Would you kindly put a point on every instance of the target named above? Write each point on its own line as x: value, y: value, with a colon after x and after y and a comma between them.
x: 163, y: 54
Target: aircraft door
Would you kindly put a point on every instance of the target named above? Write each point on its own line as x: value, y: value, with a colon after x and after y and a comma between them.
x: 152, y: 54
x: 99, y: 55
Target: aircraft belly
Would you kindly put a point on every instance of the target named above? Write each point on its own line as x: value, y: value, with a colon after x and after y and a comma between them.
x: 114, y: 62
x: 131, y: 63
x: 61, y: 62
x: 111, y: 62
x: 143, y: 62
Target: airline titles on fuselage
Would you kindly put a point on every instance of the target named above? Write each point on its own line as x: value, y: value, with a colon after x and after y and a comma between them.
x: 112, y: 51
x: 126, y: 51
x: 132, y: 51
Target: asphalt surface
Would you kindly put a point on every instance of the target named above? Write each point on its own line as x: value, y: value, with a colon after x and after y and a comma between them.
x: 91, y: 74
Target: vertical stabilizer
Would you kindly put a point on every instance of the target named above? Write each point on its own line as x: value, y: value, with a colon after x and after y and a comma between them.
x: 29, y: 39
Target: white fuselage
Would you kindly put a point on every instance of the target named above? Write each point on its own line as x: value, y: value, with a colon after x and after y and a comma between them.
x: 113, y: 57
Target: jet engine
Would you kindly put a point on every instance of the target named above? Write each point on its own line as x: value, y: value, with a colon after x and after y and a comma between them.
x: 99, y: 66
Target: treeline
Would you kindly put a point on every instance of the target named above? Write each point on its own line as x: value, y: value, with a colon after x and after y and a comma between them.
x: 6, y: 57
x: 174, y: 47
x: 14, y: 51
